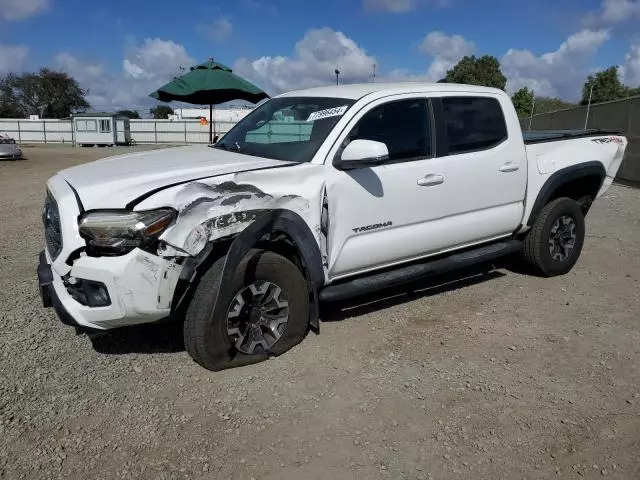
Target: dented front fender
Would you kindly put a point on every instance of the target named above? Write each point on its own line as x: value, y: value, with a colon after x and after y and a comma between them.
x: 210, y: 212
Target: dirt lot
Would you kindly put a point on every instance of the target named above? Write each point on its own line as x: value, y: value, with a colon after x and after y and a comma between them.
x: 495, y: 375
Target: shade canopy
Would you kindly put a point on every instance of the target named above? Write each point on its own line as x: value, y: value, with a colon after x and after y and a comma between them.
x: 209, y: 83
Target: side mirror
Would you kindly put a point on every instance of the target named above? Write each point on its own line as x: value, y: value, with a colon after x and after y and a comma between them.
x: 363, y: 153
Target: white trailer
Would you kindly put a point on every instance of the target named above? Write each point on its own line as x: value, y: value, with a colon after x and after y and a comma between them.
x: 101, y: 129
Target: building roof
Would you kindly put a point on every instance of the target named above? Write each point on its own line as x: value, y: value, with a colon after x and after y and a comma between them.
x: 359, y: 90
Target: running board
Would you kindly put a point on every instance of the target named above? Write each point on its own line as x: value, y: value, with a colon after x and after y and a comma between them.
x: 402, y: 275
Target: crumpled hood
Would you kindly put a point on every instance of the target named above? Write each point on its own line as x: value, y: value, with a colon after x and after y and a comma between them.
x: 115, y: 181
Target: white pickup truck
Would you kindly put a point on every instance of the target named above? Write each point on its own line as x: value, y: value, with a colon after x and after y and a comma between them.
x: 318, y: 194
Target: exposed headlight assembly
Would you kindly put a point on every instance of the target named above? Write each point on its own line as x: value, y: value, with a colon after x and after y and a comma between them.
x: 116, y: 232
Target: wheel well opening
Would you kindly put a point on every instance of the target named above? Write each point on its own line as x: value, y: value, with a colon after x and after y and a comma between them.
x: 284, y: 245
x: 579, y: 188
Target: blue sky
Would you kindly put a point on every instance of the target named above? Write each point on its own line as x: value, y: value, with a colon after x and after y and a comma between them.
x: 124, y: 51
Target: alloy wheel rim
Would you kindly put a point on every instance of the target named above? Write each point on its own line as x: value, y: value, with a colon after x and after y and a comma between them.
x: 257, y: 318
x: 562, y: 238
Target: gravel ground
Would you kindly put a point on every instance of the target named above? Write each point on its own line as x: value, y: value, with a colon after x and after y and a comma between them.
x: 496, y: 375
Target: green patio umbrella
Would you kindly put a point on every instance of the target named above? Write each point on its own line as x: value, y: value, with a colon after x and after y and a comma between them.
x: 209, y: 83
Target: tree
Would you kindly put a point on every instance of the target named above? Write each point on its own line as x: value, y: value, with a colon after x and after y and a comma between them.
x: 128, y: 113
x: 606, y: 87
x: 549, y: 104
x: 8, y: 105
x: 478, y: 71
x: 161, y: 111
x: 523, y: 102
x: 47, y: 93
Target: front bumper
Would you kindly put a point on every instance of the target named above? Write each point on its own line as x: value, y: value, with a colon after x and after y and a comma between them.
x: 140, y: 287
x: 48, y: 294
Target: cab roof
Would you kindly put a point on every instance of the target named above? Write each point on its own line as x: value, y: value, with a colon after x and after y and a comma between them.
x: 359, y: 90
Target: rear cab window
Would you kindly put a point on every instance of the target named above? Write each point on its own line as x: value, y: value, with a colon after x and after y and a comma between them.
x: 473, y: 123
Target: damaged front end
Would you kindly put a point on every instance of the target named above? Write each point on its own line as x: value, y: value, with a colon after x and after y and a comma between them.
x: 228, y: 220
x: 210, y: 212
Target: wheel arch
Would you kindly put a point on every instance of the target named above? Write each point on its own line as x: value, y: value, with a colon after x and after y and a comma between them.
x: 282, y: 231
x: 575, y: 182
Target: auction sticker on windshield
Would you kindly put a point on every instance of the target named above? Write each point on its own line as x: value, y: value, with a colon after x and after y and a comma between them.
x: 329, y: 112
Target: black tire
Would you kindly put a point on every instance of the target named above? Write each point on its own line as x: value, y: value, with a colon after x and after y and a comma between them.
x: 206, y: 338
x: 536, y: 251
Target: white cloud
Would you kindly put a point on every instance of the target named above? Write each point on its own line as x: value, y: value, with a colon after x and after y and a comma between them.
x: 401, y: 6
x: 217, y: 31
x: 145, y: 68
x: 559, y: 73
x: 630, y: 71
x: 394, y: 6
x: 81, y: 71
x: 446, y: 52
x: 313, y: 62
x: 12, y: 57
x: 14, y: 10
x: 613, y: 12
x: 90, y: 76
x: 155, y: 58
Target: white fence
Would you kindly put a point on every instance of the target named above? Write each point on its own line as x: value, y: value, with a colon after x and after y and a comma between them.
x: 142, y: 131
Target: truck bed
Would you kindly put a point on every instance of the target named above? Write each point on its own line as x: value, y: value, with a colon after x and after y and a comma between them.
x: 539, y: 136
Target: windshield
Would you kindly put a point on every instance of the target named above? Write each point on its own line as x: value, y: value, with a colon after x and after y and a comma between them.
x: 286, y: 128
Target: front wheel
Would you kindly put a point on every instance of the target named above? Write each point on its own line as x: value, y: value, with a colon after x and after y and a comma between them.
x: 266, y: 315
x: 553, y: 245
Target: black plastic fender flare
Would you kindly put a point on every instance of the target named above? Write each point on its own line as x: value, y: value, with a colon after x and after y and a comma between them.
x: 279, y: 220
x: 561, y: 177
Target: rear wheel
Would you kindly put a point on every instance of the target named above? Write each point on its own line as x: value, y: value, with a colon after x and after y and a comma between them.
x: 266, y: 315
x: 554, y: 243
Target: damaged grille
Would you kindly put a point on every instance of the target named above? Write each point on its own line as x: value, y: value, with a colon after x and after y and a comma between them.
x: 52, y: 231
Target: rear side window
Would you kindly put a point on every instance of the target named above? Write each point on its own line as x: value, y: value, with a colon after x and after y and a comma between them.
x: 473, y: 123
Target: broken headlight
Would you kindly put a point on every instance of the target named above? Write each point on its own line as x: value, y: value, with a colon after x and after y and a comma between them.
x: 116, y: 232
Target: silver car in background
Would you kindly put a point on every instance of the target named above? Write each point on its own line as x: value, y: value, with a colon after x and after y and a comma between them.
x: 9, y: 150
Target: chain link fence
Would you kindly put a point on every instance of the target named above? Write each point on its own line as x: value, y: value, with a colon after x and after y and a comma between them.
x: 621, y: 116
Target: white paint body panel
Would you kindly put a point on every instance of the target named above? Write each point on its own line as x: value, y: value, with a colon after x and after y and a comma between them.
x: 483, y: 196
x: 551, y: 157
x: 115, y: 181
x: 475, y: 202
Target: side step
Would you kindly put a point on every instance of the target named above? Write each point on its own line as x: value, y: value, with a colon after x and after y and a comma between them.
x: 402, y: 275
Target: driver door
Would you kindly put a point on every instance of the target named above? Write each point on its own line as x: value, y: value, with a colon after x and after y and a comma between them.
x: 378, y: 212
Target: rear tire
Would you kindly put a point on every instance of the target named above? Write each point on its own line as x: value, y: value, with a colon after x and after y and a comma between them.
x: 553, y: 245
x: 266, y: 315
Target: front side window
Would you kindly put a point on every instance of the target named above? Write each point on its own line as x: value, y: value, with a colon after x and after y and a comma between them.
x: 86, y: 125
x: 403, y: 126
x: 286, y: 128
x: 473, y: 123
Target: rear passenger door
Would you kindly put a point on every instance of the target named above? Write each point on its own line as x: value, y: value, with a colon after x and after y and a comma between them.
x: 483, y: 163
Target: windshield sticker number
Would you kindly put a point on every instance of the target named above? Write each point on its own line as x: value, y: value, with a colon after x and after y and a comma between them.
x: 329, y: 112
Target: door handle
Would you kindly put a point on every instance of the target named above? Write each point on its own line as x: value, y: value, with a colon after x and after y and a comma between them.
x: 509, y: 167
x: 429, y: 180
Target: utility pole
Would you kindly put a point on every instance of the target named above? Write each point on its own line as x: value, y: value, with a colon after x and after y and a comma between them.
x: 533, y: 107
x: 337, y: 76
x: 373, y: 75
x: 586, y: 120
x: 182, y: 69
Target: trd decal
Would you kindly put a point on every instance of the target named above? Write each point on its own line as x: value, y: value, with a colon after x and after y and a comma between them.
x: 607, y: 140
x: 375, y: 226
